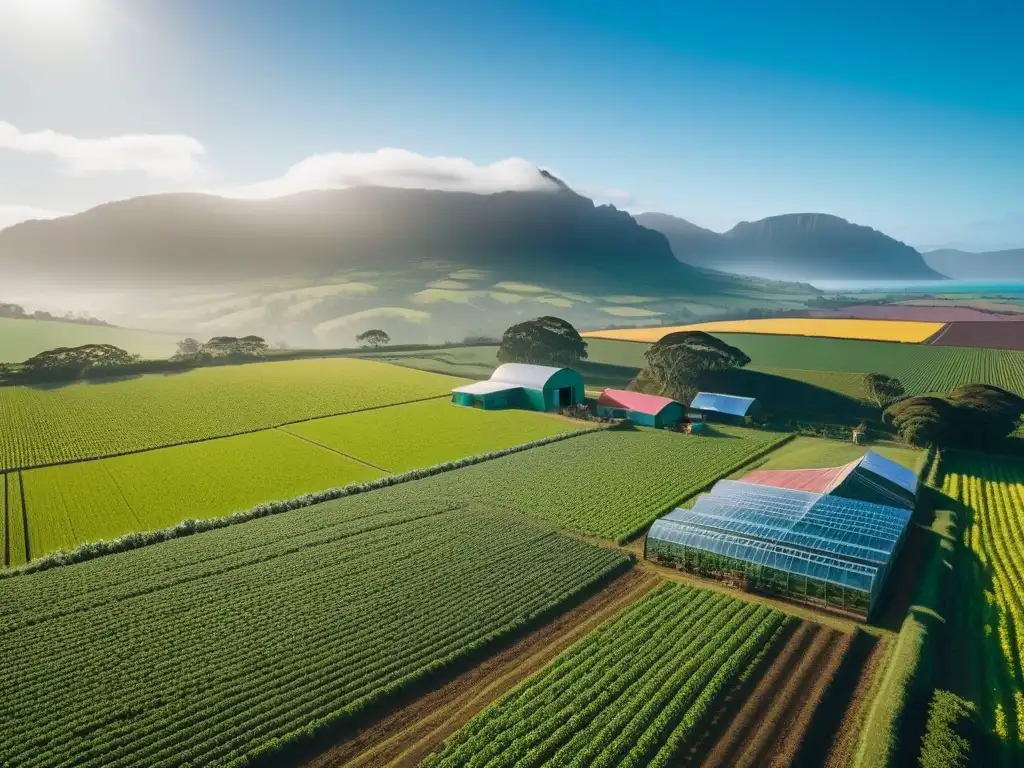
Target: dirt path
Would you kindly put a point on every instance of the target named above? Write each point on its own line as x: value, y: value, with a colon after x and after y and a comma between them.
x: 769, y: 720
x: 407, y: 735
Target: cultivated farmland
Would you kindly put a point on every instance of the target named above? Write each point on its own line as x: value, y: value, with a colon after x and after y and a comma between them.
x: 43, y: 425
x: 638, y: 691
x: 610, y: 484
x: 877, y: 330
x: 994, y: 334
x: 986, y: 626
x: 87, y: 501
x: 220, y: 648
x: 21, y: 339
x: 423, y: 434
x: 921, y: 367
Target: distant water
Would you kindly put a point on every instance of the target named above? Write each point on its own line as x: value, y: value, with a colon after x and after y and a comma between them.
x: 928, y: 286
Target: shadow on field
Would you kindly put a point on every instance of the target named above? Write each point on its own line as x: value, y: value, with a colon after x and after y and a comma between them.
x: 606, y: 375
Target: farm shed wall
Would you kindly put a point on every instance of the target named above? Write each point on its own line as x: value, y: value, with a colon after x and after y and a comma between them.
x: 517, y: 385
x: 640, y: 408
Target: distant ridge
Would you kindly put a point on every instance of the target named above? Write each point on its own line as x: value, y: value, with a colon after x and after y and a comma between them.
x: 797, y: 246
x: 992, y: 266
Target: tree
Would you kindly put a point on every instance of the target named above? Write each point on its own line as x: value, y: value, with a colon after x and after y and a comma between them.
x: 985, y: 414
x: 542, y: 341
x: 189, y: 347
x: 674, y: 365
x: 67, y: 362
x: 922, y: 420
x: 883, y: 390
x: 374, y: 337
x: 224, y: 346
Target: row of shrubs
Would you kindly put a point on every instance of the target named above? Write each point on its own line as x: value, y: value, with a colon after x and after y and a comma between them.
x: 897, y: 717
x: 135, y: 540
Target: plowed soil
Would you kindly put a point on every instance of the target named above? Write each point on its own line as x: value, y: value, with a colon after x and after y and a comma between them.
x: 766, y: 721
x: 407, y: 735
x: 991, y: 335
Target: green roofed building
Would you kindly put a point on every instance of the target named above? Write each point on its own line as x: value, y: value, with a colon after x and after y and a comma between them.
x: 518, y: 385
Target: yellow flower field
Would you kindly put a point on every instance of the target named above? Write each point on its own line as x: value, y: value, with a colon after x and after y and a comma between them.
x: 871, y: 330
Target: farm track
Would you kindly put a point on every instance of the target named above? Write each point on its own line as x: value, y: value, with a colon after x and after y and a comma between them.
x: 407, y: 735
x: 776, y: 712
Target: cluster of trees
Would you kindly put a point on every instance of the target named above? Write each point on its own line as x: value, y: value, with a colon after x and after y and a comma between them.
x: 542, y: 341
x: 973, y: 417
x: 374, y: 337
x: 673, y: 367
x: 72, y: 362
x: 221, y: 346
x: 18, y: 312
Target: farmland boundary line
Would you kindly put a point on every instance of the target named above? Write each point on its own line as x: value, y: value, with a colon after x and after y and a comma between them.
x: 24, y: 516
x: 334, y: 450
x: 211, y: 438
x: 92, y: 550
x: 938, y: 335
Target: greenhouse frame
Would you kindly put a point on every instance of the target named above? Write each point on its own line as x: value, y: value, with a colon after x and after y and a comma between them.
x: 825, y: 550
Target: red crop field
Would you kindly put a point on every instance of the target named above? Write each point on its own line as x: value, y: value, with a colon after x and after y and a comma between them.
x: 998, y: 334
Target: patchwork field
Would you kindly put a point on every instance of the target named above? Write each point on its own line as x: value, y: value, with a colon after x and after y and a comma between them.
x: 238, y: 643
x: 875, y: 330
x: 76, y: 503
x: 21, y: 339
x: 928, y: 314
x: 610, y: 485
x: 467, y: 362
x: 994, y: 335
x: 921, y: 367
x: 986, y: 625
x: 652, y: 687
x: 421, y: 435
x: 44, y: 425
x: 813, y: 452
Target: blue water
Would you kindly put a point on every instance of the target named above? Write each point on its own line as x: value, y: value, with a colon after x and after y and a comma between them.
x: 933, y: 286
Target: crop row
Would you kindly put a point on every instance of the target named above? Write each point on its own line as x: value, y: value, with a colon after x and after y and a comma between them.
x: 86, y: 420
x: 634, y: 692
x: 610, y: 484
x: 989, y: 600
x: 214, y: 649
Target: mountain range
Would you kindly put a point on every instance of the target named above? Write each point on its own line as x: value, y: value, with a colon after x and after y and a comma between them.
x: 994, y: 266
x: 797, y: 246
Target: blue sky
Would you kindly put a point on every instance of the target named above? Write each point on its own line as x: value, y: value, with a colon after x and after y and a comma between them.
x: 907, y: 120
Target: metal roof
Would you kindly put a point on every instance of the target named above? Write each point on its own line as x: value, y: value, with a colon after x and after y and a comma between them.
x: 486, y: 387
x: 890, y: 470
x: 635, y: 401
x: 524, y: 375
x: 731, y: 405
x: 814, y: 480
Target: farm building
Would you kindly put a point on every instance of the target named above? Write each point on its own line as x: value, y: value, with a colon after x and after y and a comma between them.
x: 872, y: 478
x: 727, y: 408
x: 647, y: 410
x: 517, y: 385
x: 805, y: 546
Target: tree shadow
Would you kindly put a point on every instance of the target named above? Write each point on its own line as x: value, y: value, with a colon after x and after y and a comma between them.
x: 606, y: 375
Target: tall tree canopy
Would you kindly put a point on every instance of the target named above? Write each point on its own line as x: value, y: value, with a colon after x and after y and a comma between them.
x: 65, y: 362
x: 374, y: 337
x: 543, y: 341
x: 883, y: 389
x: 246, y: 346
x: 973, y: 416
x: 674, y: 365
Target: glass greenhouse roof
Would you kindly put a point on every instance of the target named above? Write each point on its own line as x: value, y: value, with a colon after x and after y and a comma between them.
x: 835, y: 539
x: 890, y: 470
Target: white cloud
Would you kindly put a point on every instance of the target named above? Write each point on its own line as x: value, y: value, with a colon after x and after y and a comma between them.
x: 378, y: 313
x: 322, y: 291
x: 620, y: 198
x: 396, y: 168
x: 165, y: 156
x: 301, y: 307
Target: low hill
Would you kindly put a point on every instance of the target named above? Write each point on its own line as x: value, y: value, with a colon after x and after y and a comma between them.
x: 988, y: 265
x: 801, y: 246
x: 427, y: 266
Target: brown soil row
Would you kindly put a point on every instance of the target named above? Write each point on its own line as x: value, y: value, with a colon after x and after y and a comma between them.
x: 407, y: 735
x: 772, y: 720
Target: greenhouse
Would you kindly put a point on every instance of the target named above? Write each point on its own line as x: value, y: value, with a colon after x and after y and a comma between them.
x: 801, y: 545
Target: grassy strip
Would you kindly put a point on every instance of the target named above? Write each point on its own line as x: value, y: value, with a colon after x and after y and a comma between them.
x: 135, y: 540
x: 897, y: 713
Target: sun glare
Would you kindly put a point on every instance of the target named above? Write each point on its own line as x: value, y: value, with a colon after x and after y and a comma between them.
x: 31, y: 16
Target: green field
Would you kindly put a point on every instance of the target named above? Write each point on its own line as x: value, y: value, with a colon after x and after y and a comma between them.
x: 421, y: 435
x: 610, y: 485
x: 813, y: 452
x: 87, y: 501
x: 921, y: 368
x: 222, y: 647
x: 43, y: 425
x: 14, y: 543
x: 467, y: 362
x: 21, y: 339
x: 638, y: 691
